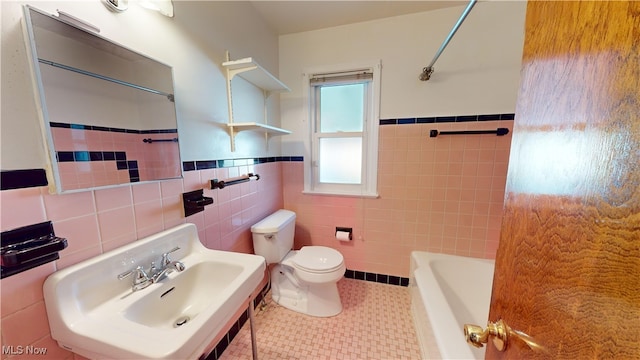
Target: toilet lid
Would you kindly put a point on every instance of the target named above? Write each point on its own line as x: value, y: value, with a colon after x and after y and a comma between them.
x: 318, y: 258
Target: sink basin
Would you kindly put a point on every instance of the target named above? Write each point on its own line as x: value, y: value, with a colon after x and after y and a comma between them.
x: 181, y: 300
x: 94, y: 314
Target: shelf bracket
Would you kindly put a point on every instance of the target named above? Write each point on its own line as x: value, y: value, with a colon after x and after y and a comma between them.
x: 234, y: 72
x: 264, y: 81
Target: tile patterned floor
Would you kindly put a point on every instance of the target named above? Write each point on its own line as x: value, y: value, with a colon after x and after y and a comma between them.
x: 375, y: 324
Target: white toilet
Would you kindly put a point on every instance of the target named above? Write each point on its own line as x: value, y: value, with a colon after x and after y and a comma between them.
x: 304, y: 280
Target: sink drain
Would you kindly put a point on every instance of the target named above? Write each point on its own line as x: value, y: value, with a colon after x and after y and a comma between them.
x: 181, y: 321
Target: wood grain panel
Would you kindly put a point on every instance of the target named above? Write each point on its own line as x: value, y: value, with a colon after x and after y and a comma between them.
x: 568, y: 265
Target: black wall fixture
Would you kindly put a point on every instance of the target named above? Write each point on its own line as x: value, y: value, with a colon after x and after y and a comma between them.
x: 498, y: 132
x: 29, y: 246
x: 220, y: 184
x: 194, y: 202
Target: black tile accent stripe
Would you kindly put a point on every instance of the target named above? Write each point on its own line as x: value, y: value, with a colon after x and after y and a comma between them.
x: 467, y: 118
x: 134, y: 175
x: 71, y: 156
x: 234, y: 330
x: 491, y: 117
x: 188, y: 165
x: 374, y: 277
x: 388, y: 121
x: 19, y: 179
x: 111, y: 129
x: 201, y: 165
x: 95, y: 155
x: 65, y: 156
x: 120, y: 157
x: 447, y: 119
x: 407, y: 121
x: 215, y: 164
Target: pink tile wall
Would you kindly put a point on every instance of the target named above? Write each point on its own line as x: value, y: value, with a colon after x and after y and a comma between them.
x: 97, y: 221
x: 441, y: 194
x: 159, y: 160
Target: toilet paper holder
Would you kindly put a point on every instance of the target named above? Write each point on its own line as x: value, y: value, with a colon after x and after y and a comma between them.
x: 345, y: 229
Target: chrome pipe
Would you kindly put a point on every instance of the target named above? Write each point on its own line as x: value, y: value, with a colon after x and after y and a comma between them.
x: 427, y: 71
x: 252, y: 325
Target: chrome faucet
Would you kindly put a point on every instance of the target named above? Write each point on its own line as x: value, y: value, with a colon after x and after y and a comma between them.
x: 166, y: 270
x: 142, y: 278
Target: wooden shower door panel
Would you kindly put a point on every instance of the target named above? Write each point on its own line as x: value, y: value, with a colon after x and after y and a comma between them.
x: 568, y: 264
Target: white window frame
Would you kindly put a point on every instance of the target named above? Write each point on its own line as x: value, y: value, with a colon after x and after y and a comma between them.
x: 368, y: 187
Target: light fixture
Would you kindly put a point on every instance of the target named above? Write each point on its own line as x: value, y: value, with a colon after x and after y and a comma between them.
x: 164, y: 7
x: 116, y: 5
x: 79, y: 23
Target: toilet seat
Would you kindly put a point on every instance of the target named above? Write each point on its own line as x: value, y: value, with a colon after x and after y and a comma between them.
x: 318, y: 259
x: 320, y: 265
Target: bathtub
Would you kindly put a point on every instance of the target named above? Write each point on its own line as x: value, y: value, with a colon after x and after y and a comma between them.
x: 447, y: 292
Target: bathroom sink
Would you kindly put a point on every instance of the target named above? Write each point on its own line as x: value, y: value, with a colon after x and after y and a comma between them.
x: 95, y: 314
x: 183, y: 298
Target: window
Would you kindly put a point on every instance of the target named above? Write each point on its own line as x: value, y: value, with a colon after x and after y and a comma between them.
x: 342, y: 149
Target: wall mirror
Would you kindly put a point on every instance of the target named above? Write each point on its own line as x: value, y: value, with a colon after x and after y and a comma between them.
x: 108, y: 112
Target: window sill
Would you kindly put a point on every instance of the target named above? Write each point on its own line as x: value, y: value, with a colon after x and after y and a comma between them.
x: 357, y: 195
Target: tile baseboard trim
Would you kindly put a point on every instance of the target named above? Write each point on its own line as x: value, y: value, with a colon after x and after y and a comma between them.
x: 375, y: 277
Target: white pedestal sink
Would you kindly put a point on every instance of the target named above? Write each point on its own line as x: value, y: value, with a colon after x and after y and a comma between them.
x: 93, y: 313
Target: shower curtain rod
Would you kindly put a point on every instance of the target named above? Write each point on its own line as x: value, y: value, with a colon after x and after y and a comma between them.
x: 427, y: 71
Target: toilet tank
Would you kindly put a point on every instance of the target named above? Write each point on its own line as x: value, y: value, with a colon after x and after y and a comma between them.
x: 273, y: 235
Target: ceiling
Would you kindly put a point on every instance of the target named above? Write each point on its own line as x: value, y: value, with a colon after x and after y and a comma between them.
x: 287, y: 17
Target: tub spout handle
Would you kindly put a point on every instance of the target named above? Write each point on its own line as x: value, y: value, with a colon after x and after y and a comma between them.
x: 499, y: 332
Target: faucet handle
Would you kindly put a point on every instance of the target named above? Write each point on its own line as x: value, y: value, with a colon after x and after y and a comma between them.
x: 140, y: 275
x: 165, y: 257
x: 140, y: 278
x: 173, y: 250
